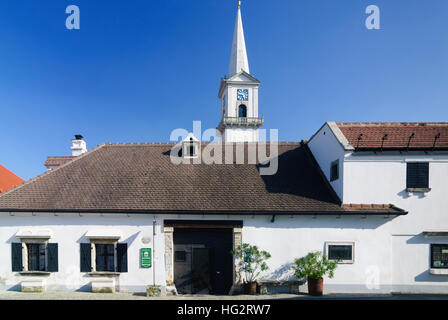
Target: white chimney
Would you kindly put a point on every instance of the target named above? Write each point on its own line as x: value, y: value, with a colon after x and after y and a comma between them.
x: 79, y: 146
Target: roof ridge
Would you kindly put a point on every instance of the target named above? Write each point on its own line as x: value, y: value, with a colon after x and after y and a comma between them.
x: 379, y: 124
x: 174, y: 142
x: 61, y: 156
x: 52, y: 170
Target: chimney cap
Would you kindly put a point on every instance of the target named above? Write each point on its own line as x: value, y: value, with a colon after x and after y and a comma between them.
x: 78, y: 137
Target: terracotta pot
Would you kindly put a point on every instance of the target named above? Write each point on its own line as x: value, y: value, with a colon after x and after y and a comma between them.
x: 315, y: 286
x: 250, y: 288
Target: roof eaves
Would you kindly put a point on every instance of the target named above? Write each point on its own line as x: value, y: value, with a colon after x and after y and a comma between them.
x: 211, y: 212
x: 53, y: 170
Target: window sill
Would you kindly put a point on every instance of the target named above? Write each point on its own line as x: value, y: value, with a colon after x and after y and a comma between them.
x: 343, y: 261
x: 104, y: 273
x: 422, y: 190
x: 34, y: 273
x: 438, y: 271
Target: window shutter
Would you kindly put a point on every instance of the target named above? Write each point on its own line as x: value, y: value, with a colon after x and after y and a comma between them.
x: 122, y: 257
x: 52, y: 251
x: 417, y: 175
x: 423, y: 174
x: 86, y: 257
x: 16, y: 256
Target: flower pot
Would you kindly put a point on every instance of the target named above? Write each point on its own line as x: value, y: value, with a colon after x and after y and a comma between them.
x: 315, y: 286
x: 250, y: 288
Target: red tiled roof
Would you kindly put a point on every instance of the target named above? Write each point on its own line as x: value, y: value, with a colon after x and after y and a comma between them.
x: 400, y: 135
x: 8, y: 180
x: 57, y: 161
x: 369, y: 207
x: 141, y: 178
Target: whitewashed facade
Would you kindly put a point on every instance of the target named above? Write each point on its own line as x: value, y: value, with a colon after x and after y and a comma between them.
x: 369, y: 177
x: 391, y: 252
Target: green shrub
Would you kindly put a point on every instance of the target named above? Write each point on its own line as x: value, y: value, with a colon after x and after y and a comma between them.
x: 315, y: 266
x: 251, y: 261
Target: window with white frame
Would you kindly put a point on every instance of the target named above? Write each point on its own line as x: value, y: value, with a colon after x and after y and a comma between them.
x: 342, y: 252
x: 439, y: 256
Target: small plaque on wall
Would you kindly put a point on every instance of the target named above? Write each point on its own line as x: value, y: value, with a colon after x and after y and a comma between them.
x: 145, y: 258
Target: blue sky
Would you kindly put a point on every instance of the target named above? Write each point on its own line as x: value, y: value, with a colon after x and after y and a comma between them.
x: 138, y: 69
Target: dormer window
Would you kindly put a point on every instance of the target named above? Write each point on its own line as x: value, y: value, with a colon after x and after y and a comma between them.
x: 190, y: 147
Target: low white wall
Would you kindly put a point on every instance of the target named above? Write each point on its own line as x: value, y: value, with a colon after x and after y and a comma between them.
x: 287, y: 238
x: 69, y: 231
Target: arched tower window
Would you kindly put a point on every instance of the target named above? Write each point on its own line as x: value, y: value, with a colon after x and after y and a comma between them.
x: 242, y: 111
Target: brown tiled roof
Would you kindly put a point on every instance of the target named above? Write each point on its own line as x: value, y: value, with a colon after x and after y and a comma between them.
x: 57, y: 161
x: 399, y: 135
x: 8, y: 180
x: 140, y: 178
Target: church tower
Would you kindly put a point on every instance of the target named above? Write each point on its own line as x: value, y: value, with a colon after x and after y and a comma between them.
x: 239, y: 94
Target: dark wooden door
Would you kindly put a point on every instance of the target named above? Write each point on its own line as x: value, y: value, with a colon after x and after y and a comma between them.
x: 203, y: 263
x: 201, y: 271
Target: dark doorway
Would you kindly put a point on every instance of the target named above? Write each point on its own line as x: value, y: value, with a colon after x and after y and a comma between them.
x: 203, y: 263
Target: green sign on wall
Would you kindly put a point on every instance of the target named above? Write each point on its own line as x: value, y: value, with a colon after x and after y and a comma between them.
x: 145, y: 258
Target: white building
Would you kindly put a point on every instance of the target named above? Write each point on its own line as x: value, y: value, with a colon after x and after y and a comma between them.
x: 123, y: 216
x: 405, y: 164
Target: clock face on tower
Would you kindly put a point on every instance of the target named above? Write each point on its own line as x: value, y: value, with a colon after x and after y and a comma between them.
x: 242, y: 94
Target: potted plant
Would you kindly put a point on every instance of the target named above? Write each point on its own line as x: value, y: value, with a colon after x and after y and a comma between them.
x: 314, y: 266
x: 251, y: 262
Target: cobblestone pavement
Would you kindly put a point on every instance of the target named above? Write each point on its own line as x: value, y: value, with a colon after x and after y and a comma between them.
x: 12, y: 295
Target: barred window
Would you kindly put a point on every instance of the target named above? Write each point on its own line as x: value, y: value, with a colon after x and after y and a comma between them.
x: 36, y: 257
x: 105, y: 257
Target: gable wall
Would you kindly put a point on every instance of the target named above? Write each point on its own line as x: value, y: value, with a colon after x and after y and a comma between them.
x: 326, y: 149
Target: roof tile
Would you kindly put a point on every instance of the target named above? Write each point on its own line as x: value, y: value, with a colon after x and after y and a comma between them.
x: 142, y: 178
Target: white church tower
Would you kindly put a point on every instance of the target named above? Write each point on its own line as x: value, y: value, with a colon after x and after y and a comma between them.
x: 239, y: 94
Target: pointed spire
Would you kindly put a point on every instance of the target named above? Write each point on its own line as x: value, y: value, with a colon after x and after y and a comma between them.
x: 238, y: 57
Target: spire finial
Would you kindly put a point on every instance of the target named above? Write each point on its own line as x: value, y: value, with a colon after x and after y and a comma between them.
x: 238, y: 3
x: 238, y: 58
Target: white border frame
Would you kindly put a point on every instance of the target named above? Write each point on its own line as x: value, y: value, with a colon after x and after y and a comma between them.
x: 341, y: 243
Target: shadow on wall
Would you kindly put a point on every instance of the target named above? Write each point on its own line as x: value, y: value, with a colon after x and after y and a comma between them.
x: 283, y: 273
x: 13, y: 239
x: 405, y: 194
x: 319, y: 222
x: 85, y: 288
x: 16, y: 287
x: 418, y: 239
x: 426, y: 276
x: 131, y: 238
